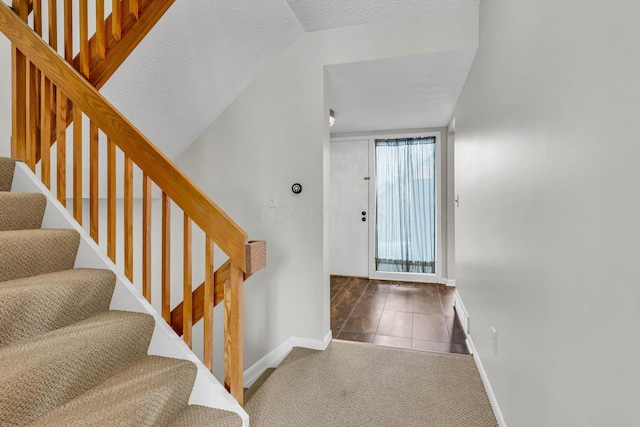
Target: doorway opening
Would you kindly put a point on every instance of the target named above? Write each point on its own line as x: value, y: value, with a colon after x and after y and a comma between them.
x: 385, y: 208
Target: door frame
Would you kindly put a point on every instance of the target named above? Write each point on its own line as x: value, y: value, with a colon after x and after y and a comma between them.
x: 436, y: 277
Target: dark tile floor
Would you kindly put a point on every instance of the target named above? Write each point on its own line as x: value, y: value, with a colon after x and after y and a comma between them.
x: 396, y: 314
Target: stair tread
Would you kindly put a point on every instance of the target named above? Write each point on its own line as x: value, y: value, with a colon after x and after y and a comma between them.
x: 148, y: 391
x: 7, y: 168
x: 21, y: 211
x: 38, y: 304
x: 202, y: 416
x: 50, y: 369
x: 26, y: 253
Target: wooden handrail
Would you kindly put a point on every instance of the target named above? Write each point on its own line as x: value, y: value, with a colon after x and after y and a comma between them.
x: 131, y: 30
x: 103, y: 61
x: 177, y: 314
x: 256, y: 251
x: 200, y: 208
x: 117, y: 50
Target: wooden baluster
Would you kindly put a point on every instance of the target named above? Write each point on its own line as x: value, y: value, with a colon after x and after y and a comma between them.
x: 209, y: 290
x: 187, y: 309
x: 53, y: 42
x: 133, y: 8
x: 233, y: 363
x: 100, y: 33
x: 77, y: 164
x: 93, y: 181
x: 84, y: 38
x: 45, y: 125
x: 146, y: 237
x: 32, y: 118
x: 19, y: 103
x: 128, y: 217
x: 111, y: 200
x: 68, y: 31
x: 37, y: 16
x: 116, y: 22
x: 166, y: 258
x: 53, y: 24
x: 19, y: 90
x: 61, y: 127
x: 35, y: 82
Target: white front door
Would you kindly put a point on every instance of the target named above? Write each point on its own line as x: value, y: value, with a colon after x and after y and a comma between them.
x: 349, y: 208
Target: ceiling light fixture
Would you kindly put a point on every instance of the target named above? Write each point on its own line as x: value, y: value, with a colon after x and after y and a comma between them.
x: 332, y: 118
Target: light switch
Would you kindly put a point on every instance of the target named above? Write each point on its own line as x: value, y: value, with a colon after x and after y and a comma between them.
x: 273, y: 200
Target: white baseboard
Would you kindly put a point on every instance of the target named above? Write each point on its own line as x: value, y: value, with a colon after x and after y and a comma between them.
x: 462, y: 312
x: 278, y: 354
x: 487, y: 385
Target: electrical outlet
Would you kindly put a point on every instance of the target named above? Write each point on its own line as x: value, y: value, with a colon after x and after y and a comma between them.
x: 494, y: 340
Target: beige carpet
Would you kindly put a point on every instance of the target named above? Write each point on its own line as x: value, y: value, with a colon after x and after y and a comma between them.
x: 7, y: 167
x: 65, y: 358
x: 353, y: 384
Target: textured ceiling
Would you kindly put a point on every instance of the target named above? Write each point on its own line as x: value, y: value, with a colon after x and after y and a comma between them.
x: 323, y: 14
x: 199, y: 57
x: 202, y: 54
x: 398, y: 93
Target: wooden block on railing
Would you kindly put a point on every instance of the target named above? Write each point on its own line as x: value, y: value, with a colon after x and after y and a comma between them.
x: 256, y: 256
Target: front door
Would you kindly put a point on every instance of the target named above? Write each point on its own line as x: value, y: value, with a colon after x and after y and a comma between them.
x: 349, y: 208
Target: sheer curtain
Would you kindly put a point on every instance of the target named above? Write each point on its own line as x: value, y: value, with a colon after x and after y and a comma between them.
x: 405, y: 205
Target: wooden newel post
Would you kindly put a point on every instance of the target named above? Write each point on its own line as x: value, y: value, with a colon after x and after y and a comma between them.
x: 233, y: 355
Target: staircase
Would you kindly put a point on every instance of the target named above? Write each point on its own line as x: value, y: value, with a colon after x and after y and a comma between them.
x: 65, y: 357
x: 80, y: 340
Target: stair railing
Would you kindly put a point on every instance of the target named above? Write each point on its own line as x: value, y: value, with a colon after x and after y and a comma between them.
x: 73, y: 92
x: 96, y: 57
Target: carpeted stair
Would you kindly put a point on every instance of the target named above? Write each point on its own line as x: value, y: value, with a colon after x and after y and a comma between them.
x: 65, y: 358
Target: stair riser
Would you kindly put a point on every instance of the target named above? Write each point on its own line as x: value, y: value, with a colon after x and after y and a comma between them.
x: 148, y: 392
x: 27, y: 253
x: 44, y: 372
x: 36, y: 305
x: 21, y: 211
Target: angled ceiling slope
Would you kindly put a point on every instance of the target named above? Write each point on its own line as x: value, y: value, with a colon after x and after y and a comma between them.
x: 203, y: 54
x: 199, y: 57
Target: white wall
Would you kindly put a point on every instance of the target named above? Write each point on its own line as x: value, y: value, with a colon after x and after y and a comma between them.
x: 547, y: 230
x: 276, y: 133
